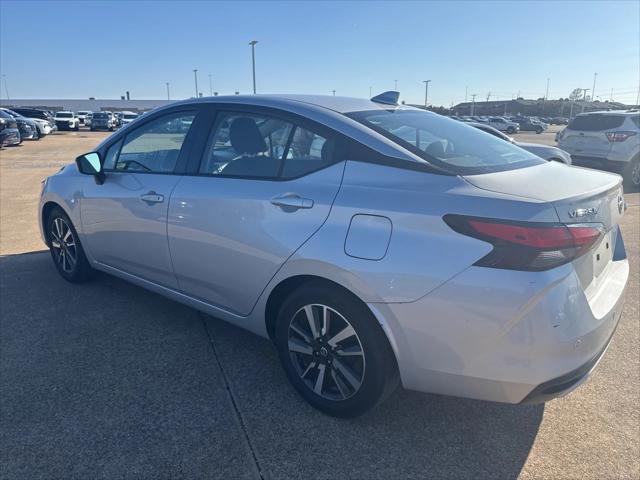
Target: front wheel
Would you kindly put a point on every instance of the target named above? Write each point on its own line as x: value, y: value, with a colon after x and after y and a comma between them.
x: 334, y: 351
x: 538, y: 131
x: 66, y: 249
x: 511, y: 130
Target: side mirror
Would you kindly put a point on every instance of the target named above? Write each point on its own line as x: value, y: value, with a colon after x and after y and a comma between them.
x: 91, y: 164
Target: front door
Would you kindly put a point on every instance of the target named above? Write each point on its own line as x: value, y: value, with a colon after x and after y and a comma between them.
x: 125, y: 218
x: 264, y: 186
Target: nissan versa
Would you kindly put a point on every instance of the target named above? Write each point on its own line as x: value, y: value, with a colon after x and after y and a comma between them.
x: 374, y: 243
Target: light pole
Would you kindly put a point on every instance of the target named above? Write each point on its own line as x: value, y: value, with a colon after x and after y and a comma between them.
x: 334, y: 92
x: 253, y: 62
x: 210, y: 86
x: 6, y: 90
x: 395, y: 88
x: 584, y: 97
x: 593, y: 89
x: 473, y: 104
x: 167, y: 84
x: 426, y: 92
x: 369, y: 92
x: 546, y: 95
x: 195, y: 77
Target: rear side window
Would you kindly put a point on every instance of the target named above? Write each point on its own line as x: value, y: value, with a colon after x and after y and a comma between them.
x: 155, y: 146
x: 636, y: 120
x: 260, y: 146
x: 596, y: 122
x: 447, y: 144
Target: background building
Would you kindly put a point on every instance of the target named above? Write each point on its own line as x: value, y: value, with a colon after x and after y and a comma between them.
x: 92, y: 105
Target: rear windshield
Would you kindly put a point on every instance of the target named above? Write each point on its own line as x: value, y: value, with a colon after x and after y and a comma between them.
x: 596, y: 122
x: 100, y: 115
x: 447, y: 144
x: 64, y: 115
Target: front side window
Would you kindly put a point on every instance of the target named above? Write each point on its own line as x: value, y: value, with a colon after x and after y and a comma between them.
x: 260, y: 146
x: 446, y: 144
x: 155, y: 146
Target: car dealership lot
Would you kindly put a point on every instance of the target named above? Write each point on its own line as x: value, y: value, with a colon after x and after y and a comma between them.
x: 108, y: 380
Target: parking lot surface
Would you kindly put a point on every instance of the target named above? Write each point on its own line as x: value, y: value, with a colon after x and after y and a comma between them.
x: 107, y: 380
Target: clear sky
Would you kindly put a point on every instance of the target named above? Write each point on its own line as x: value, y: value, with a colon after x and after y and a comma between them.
x: 101, y: 49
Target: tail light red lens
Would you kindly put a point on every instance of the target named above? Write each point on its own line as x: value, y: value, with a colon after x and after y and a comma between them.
x: 619, y: 136
x: 527, y: 246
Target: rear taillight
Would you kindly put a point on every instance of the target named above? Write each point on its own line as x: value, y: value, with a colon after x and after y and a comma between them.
x: 619, y: 136
x: 527, y: 246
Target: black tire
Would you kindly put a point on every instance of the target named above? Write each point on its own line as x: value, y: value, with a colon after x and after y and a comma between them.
x: 37, y: 135
x: 76, y: 271
x: 538, y: 131
x: 631, y: 174
x: 511, y: 130
x: 111, y: 129
x: 76, y: 128
x: 92, y: 129
x: 374, y: 367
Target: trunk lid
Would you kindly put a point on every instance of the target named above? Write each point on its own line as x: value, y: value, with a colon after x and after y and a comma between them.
x: 586, y: 135
x: 579, y: 195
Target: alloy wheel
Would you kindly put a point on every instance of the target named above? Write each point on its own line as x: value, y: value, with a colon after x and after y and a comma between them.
x: 635, y: 174
x: 326, y: 352
x: 63, y: 244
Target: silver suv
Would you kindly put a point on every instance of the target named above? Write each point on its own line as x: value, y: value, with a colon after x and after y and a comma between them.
x: 606, y: 140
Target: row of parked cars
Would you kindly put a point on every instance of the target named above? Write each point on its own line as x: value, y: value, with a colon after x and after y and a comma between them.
x: 18, y: 124
x: 510, y: 125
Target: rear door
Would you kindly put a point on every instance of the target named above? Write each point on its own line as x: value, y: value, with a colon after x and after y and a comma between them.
x: 265, y: 184
x: 586, y: 134
x: 125, y: 218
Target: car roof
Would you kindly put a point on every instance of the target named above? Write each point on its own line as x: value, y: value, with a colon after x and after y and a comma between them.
x: 335, y: 103
x: 612, y: 112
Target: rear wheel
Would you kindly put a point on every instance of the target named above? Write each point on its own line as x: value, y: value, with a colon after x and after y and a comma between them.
x: 538, y: 131
x: 511, y: 130
x: 66, y: 249
x: 334, y: 352
x: 632, y: 173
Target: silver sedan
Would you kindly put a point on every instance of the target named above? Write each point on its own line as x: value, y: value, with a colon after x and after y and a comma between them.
x: 374, y: 243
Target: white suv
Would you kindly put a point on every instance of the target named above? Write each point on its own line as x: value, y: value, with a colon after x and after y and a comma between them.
x: 608, y: 140
x: 503, y: 125
x: 66, y: 120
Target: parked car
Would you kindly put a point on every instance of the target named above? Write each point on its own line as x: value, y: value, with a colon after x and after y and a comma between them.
x: 117, y: 118
x: 44, y: 127
x: 9, y: 133
x: 128, y: 117
x: 559, y: 121
x: 503, y: 125
x: 82, y: 116
x: 448, y: 260
x: 102, y: 121
x: 27, y: 128
x: 528, y: 125
x: 87, y: 119
x: 36, y: 114
x: 608, y: 140
x: 66, y: 120
x: 549, y: 153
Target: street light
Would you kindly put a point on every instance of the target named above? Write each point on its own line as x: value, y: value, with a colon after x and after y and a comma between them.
x: 426, y: 92
x: 167, y: 84
x: 195, y: 77
x: 6, y: 90
x: 395, y: 88
x: 593, y: 89
x: 253, y: 62
x: 546, y: 95
x: 210, y: 86
x: 334, y: 92
x: 473, y: 103
x: 370, y: 92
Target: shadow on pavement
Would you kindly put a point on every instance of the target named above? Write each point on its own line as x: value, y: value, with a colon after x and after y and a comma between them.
x: 107, y: 380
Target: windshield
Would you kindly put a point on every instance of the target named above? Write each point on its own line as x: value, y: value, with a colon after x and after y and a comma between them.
x: 100, y: 115
x: 130, y: 116
x: 445, y: 143
x: 64, y: 115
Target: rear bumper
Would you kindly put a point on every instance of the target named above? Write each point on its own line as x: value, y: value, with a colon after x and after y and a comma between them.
x: 504, y: 336
x: 9, y: 136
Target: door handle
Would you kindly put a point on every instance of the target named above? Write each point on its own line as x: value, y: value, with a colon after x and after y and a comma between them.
x: 291, y: 201
x: 152, y: 197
